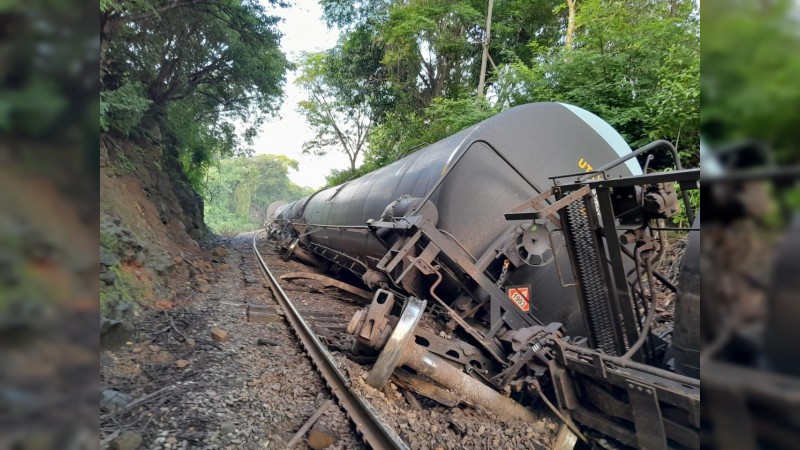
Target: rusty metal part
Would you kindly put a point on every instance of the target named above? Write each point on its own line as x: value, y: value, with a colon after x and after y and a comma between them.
x: 294, y: 249
x: 341, y: 259
x: 453, y: 349
x: 401, y: 351
x: 375, y: 433
x: 374, y: 279
x: 565, y: 439
x: 566, y: 420
x: 425, y: 388
x: 327, y: 281
x: 530, y: 209
x: 411, y: 399
x: 454, y: 315
x: 503, y: 274
x: 471, y: 390
x: 660, y: 406
x: 660, y: 200
x: 371, y: 323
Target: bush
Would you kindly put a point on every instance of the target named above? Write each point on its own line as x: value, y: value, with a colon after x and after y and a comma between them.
x: 122, y: 109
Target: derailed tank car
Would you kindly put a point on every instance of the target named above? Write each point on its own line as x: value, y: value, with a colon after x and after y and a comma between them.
x: 517, y: 261
x: 469, y: 180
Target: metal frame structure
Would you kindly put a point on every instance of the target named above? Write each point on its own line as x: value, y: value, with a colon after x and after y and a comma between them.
x: 615, y: 386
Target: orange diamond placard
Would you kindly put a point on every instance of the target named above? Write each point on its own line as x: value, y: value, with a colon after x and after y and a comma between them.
x: 521, y: 296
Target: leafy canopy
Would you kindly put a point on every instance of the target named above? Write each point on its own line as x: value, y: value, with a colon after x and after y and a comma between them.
x: 634, y: 63
x: 239, y: 191
x: 186, y: 72
x: 335, y: 108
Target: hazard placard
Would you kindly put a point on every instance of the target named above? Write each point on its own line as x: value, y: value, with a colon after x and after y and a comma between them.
x: 521, y: 296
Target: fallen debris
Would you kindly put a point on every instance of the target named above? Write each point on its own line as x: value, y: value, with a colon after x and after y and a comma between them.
x: 309, y: 423
x: 320, y: 437
x: 219, y: 335
x: 128, y: 440
x: 202, y: 286
x: 111, y: 400
x: 412, y: 400
x: 182, y: 363
x: 139, y: 401
x: 328, y: 281
x: 265, y: 341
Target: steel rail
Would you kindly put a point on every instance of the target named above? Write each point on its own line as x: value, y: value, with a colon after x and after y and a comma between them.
x: 376, y: 434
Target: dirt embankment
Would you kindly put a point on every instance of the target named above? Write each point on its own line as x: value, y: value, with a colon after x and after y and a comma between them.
x: 151, y: 221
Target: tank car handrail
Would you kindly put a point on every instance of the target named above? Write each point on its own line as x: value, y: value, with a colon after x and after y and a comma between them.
x: 678, y: 166
x: 411, y: 149
x: 452, y: 166
x: 318, y: 225
x: 661, y: 143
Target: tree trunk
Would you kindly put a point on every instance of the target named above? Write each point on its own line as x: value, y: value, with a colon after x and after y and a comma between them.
x: 108, y: 31
x: 570, y: 22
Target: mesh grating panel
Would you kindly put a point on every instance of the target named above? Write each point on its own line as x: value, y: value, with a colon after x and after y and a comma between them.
x: 591, y: 280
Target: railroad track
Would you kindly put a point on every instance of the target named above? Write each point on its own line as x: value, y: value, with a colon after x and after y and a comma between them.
x: 371, y: 428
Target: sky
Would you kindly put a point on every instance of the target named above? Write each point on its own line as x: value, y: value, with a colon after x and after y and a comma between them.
x: 303, y: 30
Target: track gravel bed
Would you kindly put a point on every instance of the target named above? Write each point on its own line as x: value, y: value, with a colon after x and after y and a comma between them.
x: 233, y: 395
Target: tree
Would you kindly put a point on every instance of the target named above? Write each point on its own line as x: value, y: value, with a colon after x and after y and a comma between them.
x: 749, y: 83
x: 402, y: 135
x: 570, y: 35
x: 186, y: 72
x: 634, y: 63
x: 416, y: 62
x: 239, y: 191
x: 339, y: 116
x: 434, y: 47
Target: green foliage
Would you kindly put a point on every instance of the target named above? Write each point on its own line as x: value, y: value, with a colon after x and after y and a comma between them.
x: 399, y: 136
x: 122, y: 109
x: 239, y: 191
x: 337, y: 176
x: 750, y: 73
x: 126, y: 290
x: 406, y: 54
x: 635, y: 63
x: 198, y: 144
x: 439, y: 39
x: 46, y: 89
x: 188, y: 73
x: 681, y: 218
x: 108, y: 241
x: 109, y: 5
x: 335, y: 109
